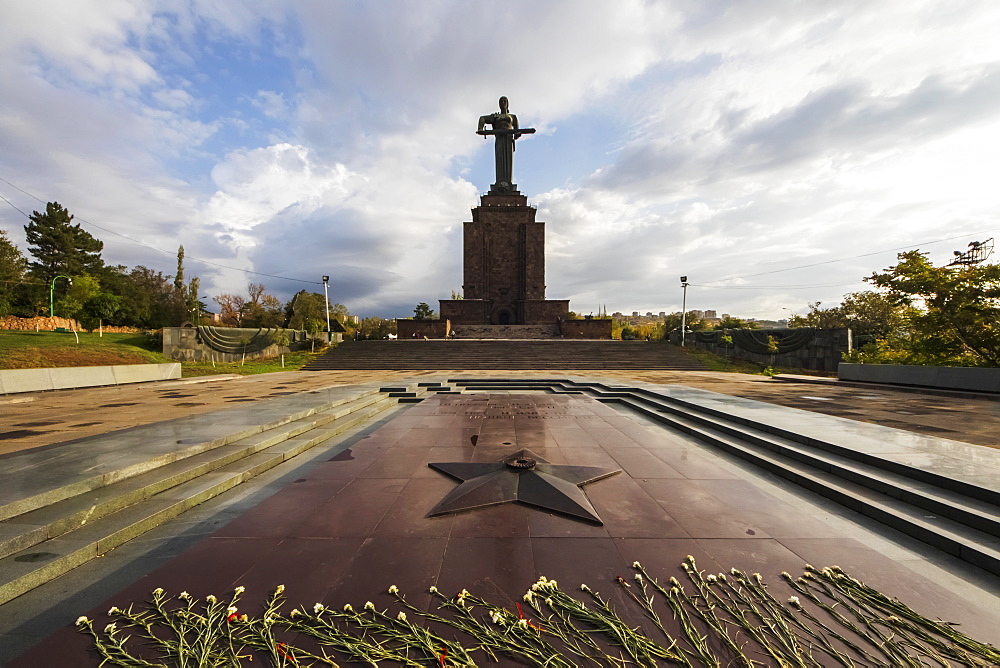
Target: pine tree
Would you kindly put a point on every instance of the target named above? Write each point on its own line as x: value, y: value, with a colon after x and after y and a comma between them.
x: 59, y: 247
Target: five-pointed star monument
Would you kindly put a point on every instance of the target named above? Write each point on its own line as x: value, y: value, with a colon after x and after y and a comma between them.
x: 524, y: 477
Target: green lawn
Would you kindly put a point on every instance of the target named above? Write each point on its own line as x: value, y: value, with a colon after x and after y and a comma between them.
x: 293, y: 361
x: 34, y: 350
x: 37, y: 350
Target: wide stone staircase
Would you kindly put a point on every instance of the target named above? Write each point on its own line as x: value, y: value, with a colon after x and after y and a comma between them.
x: 503, y: 354
x: 64, y: 505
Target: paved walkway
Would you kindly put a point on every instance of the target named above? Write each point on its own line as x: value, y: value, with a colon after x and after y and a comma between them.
x: 45, y: 418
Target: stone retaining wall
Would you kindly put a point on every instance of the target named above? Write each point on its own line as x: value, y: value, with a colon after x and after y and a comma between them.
x: 969, y: 379
x: 47, y: 324
x: 40, y: 323
x: 227, y: 344
x: 588, y: 328
x: 800, y: 348
x: 418, y: 329
x: 13, y: 381
x: 506, y: 331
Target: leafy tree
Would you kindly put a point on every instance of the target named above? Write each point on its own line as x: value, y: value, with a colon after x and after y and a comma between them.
x: 736, y: 323
x: 262, y: 309
x: 867, y: 312
x: 376, y: 328
x: 259, y: 309
x: 98, y: 309
x: 423, y: 311
x: 821, y: 318
x: 194, y: 307
x: 147, y: 298
x: 12, y: 268
x: 305, y: 308
x: 456, y: 294
x: 180, y: 289
x: 954, y: 315
x: 77, y: 293
x: 230, y: 309
x: 59, y: 247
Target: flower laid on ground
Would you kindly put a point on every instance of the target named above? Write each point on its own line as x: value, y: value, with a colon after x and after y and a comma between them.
x: 710, y: 620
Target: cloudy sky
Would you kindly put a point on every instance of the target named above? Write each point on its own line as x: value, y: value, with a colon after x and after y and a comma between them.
x: 775, y: 152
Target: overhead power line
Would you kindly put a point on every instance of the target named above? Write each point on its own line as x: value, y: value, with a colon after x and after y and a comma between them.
x: 853, y: 257
x: 782, y: 287
x: 150, y: 246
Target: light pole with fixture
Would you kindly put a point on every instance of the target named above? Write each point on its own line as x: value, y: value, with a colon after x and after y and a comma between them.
x: 52, y: 289
x: 196, y: 310
x: 684, y: 301
x: 326, y: 298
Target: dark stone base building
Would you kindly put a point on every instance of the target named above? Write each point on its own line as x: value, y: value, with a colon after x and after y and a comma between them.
x: 504, y: 282
x: 504, y: 267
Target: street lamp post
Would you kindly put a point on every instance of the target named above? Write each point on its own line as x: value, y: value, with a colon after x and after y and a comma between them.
x: 326, y: 298
x: 196, y: 310
x: 52, y: 289
x: 684, y: 301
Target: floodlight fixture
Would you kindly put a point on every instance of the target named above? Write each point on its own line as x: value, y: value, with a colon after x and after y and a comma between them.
x: 977, y: 252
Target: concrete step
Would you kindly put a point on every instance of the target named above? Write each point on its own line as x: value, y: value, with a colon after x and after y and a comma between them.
x: 913, y: 489
x: 504, y: 354
x: 813, y: 443
x: 49, y: 541
x: 24, y: 530
x: 105, y: 462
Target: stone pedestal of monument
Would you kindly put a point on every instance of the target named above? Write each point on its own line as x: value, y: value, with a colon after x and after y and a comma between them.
x: 504, y: 267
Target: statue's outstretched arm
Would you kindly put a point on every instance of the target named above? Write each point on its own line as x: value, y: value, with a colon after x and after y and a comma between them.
x: 483, y: 120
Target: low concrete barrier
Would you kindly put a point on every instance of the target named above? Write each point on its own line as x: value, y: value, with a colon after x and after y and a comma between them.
x: 13, y: 381
x: 970, y: 379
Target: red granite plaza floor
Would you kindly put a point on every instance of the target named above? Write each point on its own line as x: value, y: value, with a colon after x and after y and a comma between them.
x: 357, y: 523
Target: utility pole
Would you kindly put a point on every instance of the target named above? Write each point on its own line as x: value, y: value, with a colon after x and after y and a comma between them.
x: 326, y: 298
x: 684, y: 301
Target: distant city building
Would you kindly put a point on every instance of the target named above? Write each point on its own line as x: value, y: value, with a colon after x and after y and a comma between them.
x: 635, y: 314
x: 696, y: 313
x: 663, y: 314
x: 710, y: 314
x: 618, y: 314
